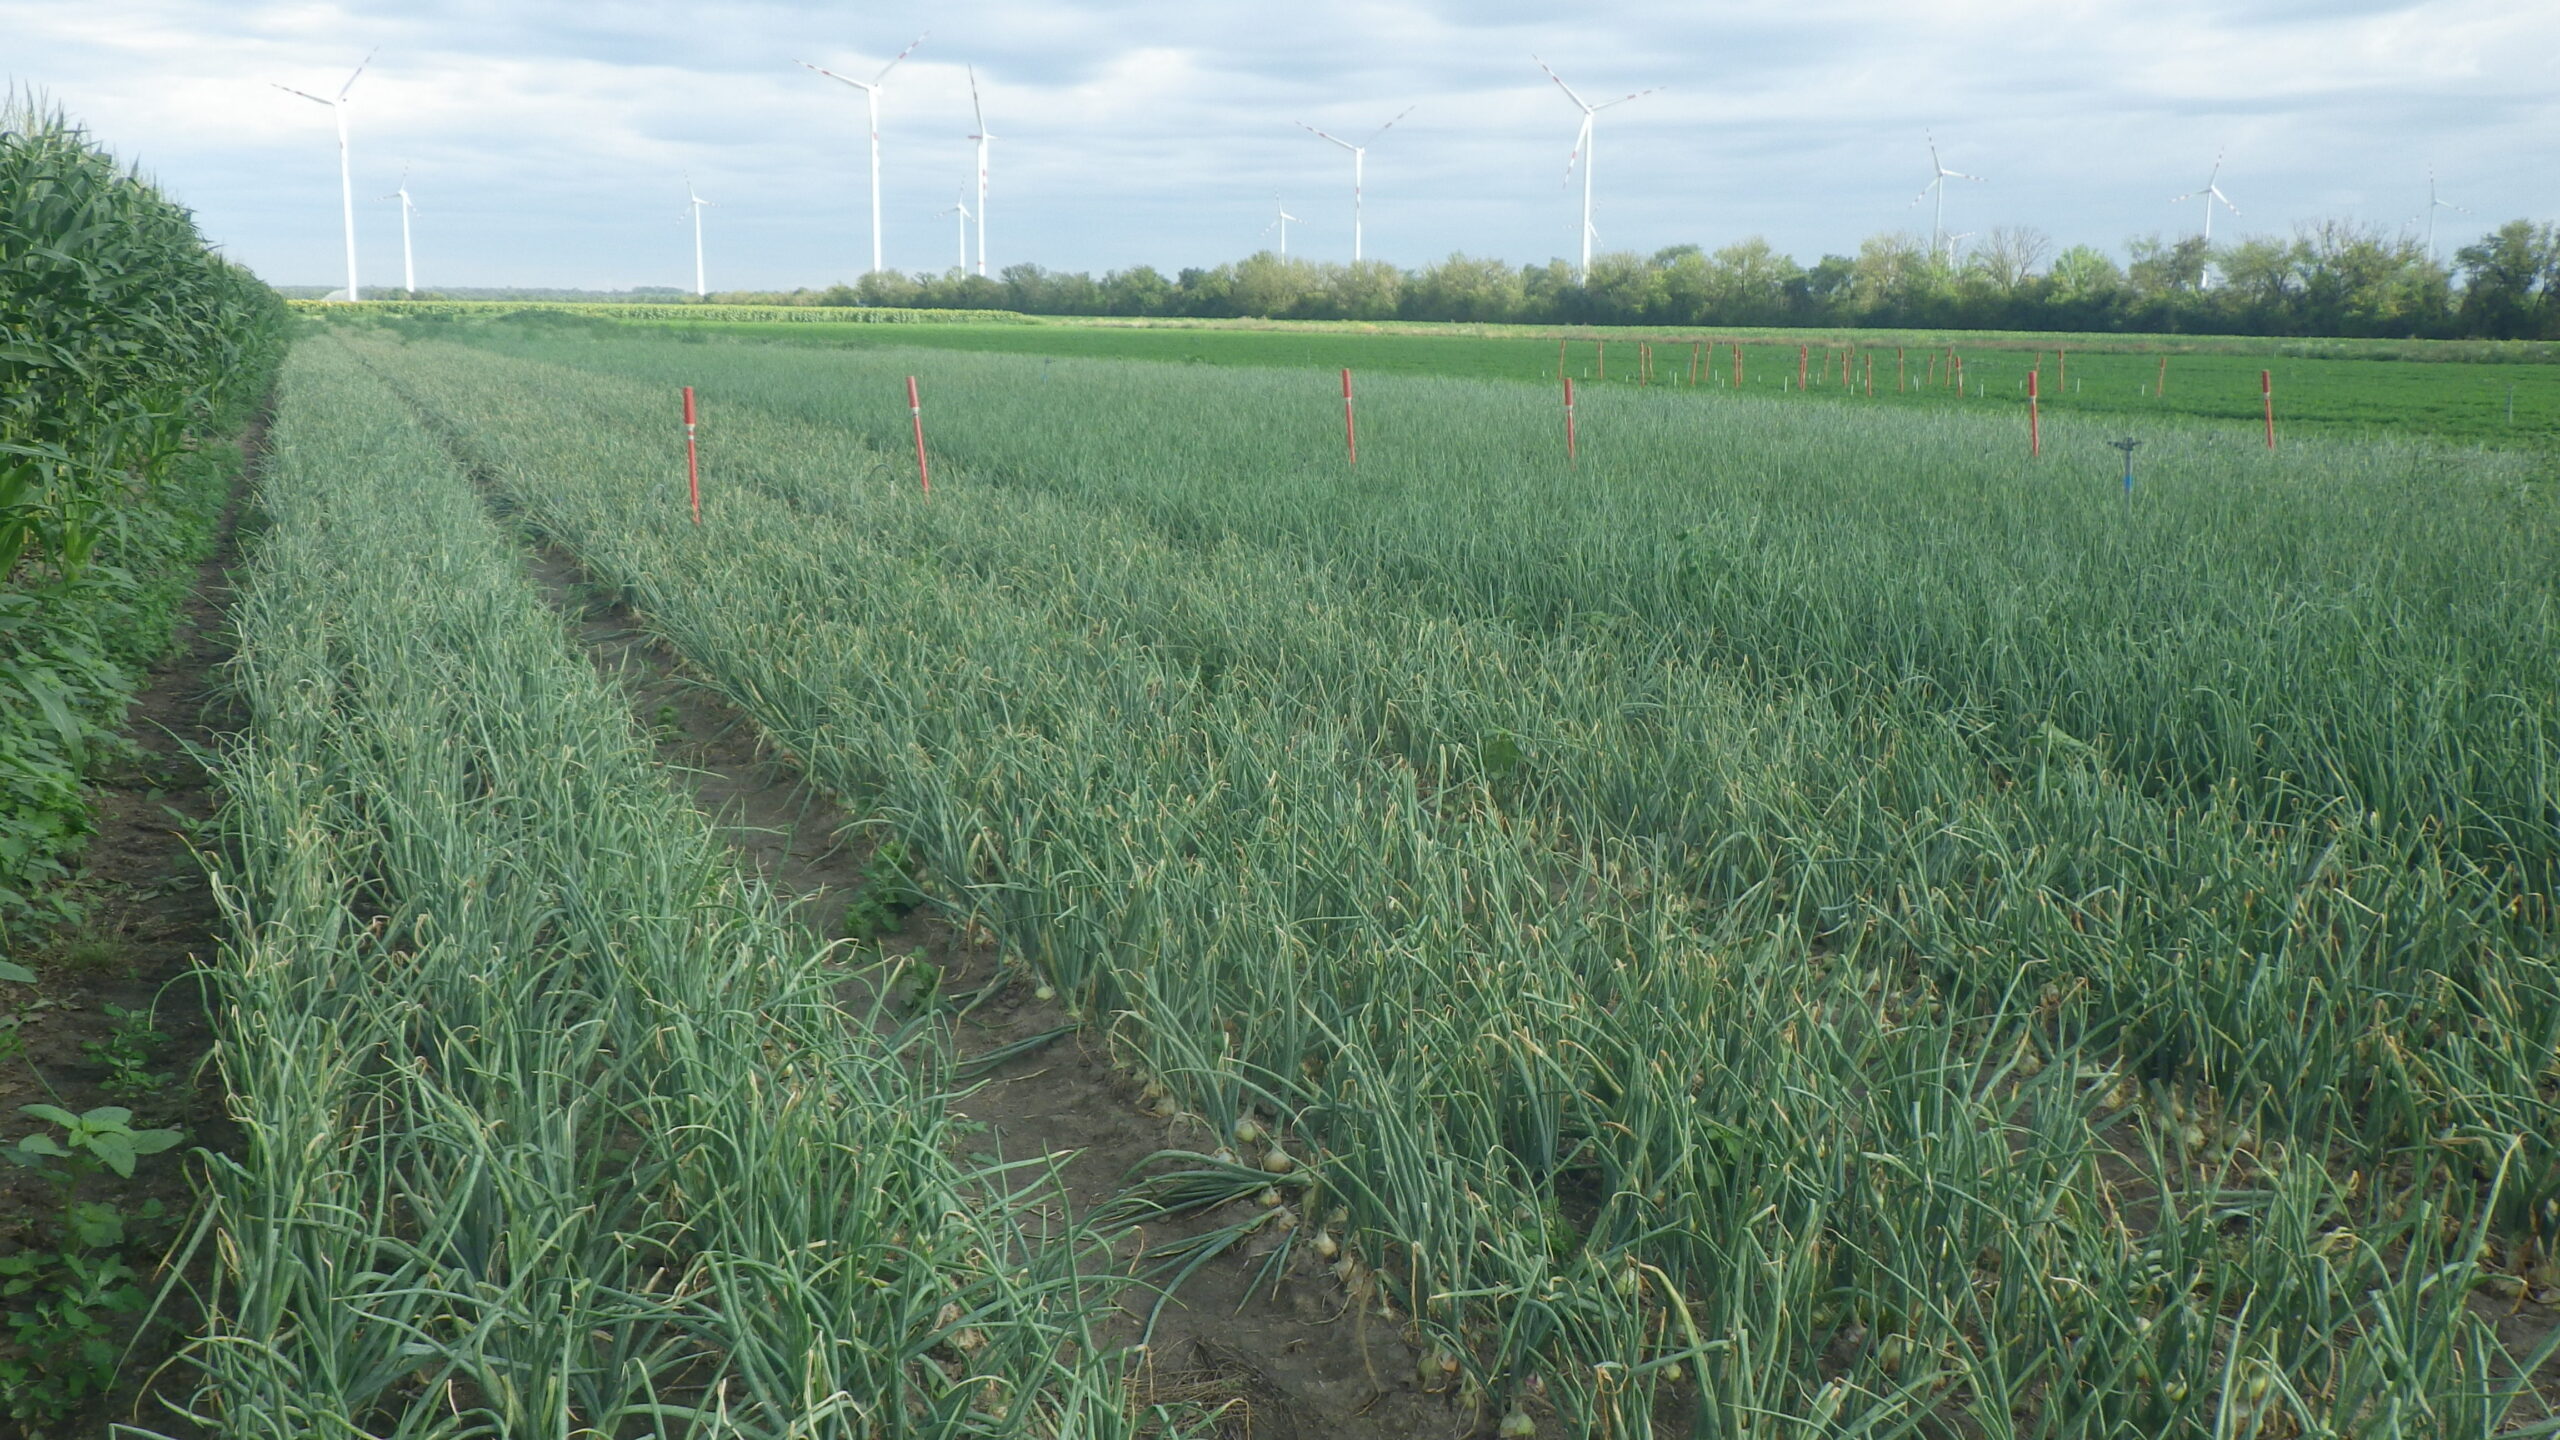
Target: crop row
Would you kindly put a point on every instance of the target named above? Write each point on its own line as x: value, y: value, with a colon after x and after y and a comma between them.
x: 1685, y: 1023
x: 552, y: 1124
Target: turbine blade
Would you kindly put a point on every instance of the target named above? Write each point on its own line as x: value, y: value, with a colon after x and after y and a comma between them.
x: 305, y: 94
x: 975, y: 108
x: 1567, y: 89
x: 1623, y: 99
x: 351, y: 80
x: 1390, y: 125
x: 830, y: 74
x: 903, y: 54
x: 1336, y: 139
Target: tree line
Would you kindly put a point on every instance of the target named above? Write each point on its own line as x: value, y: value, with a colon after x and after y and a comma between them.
x: 2330, y: 278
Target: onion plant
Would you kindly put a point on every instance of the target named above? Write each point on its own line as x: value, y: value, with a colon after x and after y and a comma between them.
x: 1803, y: 925
x: 553, y: 1124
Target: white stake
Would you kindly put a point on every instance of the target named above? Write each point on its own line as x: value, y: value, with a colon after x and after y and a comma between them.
x: 871, y: 106
x: 346, y: 170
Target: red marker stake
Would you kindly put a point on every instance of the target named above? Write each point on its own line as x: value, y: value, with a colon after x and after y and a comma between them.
x: 2035, y: 419
x: 1696, y: 357
x: 1604, y: 359
x: 1804, y: 358
x: 2267, y: 389
x: 1572, y: 452
x: 1871, y: 374
x: 2162, y: 388
x: 1350, y: 426
x: 1737, y: 364
x: 2062, y: 372
x: 915, y: 411
x: 1898, y: 386
x: 692, y: 458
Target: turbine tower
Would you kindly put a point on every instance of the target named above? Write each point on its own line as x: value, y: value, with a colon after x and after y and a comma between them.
x: 1359, y: 162
x: 346, y: 173
x: 408, y: 256
x: 1280, y: 220
x: 1582, y: 142
x: 1938, y: 182
x: 2434, y: 205
x: 871, y: 102
x: 982, y: 137
x: 700, y: 291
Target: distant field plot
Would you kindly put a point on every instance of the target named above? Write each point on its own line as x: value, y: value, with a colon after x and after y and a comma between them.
x: 2211, y: 380
x: 1798, y: 920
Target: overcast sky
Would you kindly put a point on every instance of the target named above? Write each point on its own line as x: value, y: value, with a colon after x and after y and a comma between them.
x: 548, y: 144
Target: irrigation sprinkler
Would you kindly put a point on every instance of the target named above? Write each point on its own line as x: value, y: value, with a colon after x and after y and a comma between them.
x: 915, y: 412
x: 2128, y: 445
x: 692, y: 459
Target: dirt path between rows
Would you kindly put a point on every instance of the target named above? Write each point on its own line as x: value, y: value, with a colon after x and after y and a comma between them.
x: 143, y: 949
x: 1284, y: 1361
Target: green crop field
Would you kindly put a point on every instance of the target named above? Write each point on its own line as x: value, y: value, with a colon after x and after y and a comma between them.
x: 1800, y: 920
x: 2506, y: 395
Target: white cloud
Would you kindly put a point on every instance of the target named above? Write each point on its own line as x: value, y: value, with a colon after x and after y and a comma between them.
x: 547, y: 143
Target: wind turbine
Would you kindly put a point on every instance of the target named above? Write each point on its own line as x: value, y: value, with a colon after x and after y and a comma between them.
x: 346, y: 174
x: 1359, y: 162
x: 2434, y: 205
x: 871, y: 100
x: 1952, y: 238
x: 961, y: 208
x: 2212, y: 192
x: 982, y: 137
x: 1582, y: 151
x: 700, y: 291
x: 1938, y: 182
x: 408, y: 257
x: 1280, y: 220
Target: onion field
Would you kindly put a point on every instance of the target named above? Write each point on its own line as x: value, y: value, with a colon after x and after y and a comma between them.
x: 1802, y: 920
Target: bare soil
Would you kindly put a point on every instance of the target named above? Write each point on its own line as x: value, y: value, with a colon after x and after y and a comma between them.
x: 1287, y: 1361
x: 149, y: 936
